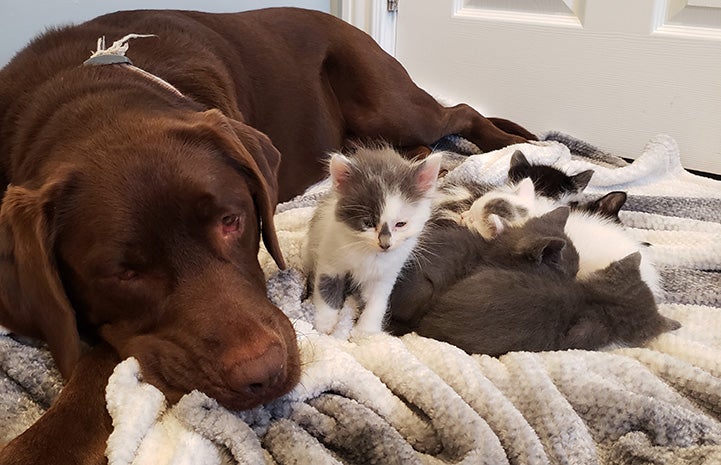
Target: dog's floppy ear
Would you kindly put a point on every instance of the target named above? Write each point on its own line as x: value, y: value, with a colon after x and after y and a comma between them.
x: 254, y: 151
x: 32, y: 298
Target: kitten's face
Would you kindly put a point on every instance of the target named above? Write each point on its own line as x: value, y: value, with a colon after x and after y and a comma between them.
x: 383, y: 199
x: 498, y: 209
x: 388, y: 224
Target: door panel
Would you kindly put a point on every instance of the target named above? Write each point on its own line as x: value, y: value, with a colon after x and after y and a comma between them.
x: 611, y: 72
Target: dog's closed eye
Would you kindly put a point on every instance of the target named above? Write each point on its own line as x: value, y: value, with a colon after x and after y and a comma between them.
x: 127, y: 274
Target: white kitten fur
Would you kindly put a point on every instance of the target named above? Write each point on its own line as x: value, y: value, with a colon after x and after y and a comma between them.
x: 335, y: 249
x: 599, y: 241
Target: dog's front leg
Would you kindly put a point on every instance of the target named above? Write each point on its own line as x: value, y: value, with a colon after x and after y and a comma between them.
x: 76, y: 427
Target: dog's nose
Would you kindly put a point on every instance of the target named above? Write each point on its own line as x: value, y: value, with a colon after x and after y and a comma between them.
x: 255, y: 375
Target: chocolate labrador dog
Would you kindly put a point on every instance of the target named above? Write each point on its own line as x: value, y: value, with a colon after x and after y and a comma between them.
x: 138, y: 193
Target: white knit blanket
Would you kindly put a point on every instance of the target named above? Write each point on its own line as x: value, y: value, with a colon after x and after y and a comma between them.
x: 412, y: 400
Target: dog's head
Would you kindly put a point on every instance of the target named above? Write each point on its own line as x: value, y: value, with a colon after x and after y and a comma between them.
x: 151, y: 243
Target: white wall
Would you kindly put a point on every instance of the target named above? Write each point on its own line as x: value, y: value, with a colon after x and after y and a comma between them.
x: 21, y: 20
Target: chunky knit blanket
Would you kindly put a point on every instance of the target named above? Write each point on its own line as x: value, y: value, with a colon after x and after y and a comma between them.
x: 412, y: 400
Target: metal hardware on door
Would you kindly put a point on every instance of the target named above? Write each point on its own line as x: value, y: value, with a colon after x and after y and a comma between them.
x: 392, y: 6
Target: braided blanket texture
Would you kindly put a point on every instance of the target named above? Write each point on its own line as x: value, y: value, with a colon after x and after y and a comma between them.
x: 413, y: 400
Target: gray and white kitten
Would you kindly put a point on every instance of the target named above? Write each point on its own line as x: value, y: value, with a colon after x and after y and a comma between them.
x: 364, y: 231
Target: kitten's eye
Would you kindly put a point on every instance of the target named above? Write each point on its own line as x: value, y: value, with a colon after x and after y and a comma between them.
x: 400, y: 224
x: 230, y: 224
x: 367, y: 223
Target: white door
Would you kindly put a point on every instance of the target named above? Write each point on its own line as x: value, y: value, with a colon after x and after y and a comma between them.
x: 611, y: 72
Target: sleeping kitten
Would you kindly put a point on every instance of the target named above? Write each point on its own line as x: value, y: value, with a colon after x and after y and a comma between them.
x: 547, y: 181
x: 598, y: 239
x: 362, y: 234
x: 505, y: 206
x: 494, y: 311
x: 609, y: 205
x: 446, y: 253
x: 565, y: 189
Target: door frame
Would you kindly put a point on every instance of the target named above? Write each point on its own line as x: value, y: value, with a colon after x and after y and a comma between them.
x: 371, y: 16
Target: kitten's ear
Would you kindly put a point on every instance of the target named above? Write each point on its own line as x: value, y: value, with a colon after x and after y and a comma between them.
x: 630, y: 261
x: 611, y: 203
x: 525, y: 190
x: 496, y: 225
x: 629, y: 266
x: 339, y: 168
x: 668, y: 324
x: 427, y: 171
x: 557, y: 217
x: 547, y: 250
x: 581, y: 180
x: 518, y: 160
x: 553, y: 252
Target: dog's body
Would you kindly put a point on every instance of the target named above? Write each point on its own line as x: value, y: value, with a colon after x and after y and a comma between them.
x: 133, y: 214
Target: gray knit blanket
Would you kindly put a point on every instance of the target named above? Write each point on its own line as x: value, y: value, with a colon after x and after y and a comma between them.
x: 413, y: 400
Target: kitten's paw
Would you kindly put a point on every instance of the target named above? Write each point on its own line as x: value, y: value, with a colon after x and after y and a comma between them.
x: 346, y: 319
x: 357, y: 334
x: 363, y: 331
x: 325, y: 319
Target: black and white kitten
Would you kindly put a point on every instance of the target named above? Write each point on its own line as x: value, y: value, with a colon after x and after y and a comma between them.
x: 608, y: 205
x: 363, y: 232
x: 548, y: 181
x: 564, y: 189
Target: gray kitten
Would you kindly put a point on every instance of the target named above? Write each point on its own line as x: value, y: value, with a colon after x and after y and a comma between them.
x: 494, y: 311
x: 448, y: 252
x: 519, y: 292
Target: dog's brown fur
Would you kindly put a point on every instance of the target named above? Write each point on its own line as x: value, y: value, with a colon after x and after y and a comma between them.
x: 133, y: 215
